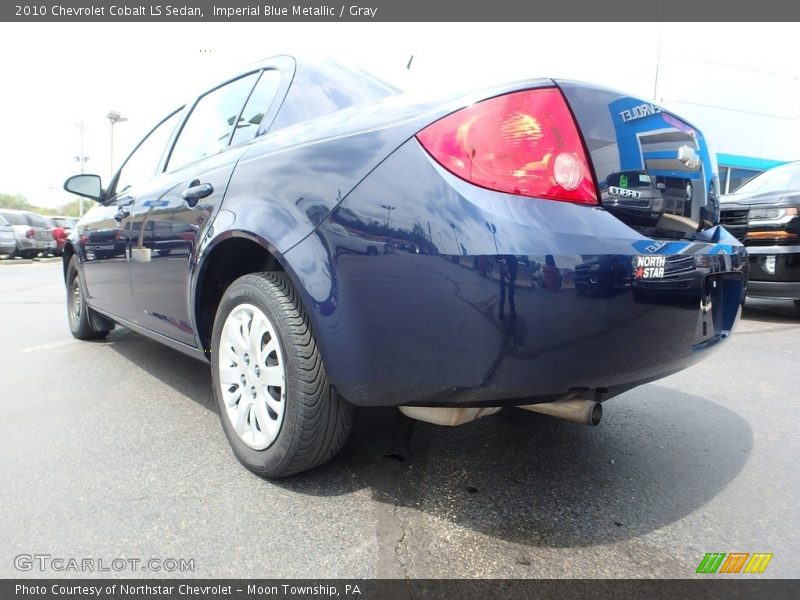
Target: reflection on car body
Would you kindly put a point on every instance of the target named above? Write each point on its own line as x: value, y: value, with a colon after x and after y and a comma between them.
x: 603, y: 274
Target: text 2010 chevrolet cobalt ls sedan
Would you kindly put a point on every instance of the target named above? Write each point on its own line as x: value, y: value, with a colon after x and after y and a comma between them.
x: 324, y: 241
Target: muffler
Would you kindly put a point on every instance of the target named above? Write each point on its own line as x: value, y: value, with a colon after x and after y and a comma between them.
x: 447, y: 416
x: 577, y: 410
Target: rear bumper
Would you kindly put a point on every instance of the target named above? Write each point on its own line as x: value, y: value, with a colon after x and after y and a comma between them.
x: 774, y: 272
x: 27, y: 244
x: 777, y: 290
x: 428, y: 330
x: 472, y: 298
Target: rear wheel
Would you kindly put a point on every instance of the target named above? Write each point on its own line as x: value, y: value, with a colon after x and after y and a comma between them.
x: 276, y: 405
x: 83, y: 322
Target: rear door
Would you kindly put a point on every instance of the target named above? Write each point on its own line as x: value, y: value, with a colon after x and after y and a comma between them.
x: 172, y: 212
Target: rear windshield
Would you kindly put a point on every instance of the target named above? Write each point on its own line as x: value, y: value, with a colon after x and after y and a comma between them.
x: 777, y: 179
x: 323, y: 87
x: 15, y: 218
x: 36, y: 220
x: 24, y: 218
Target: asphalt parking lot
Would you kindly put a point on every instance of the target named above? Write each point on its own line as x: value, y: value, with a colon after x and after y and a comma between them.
x: 113, y: 449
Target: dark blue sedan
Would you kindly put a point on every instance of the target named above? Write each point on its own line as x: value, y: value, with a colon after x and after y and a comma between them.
x: 324, y: 241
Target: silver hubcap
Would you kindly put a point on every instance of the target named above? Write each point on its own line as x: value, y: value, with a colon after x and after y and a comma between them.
x: 75, y: 300
x: 251, y: 376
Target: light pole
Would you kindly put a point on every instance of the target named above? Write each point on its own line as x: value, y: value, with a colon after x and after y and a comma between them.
x: 114, y: 117
x: 455, y: 235
x: 389, y: 210
x: 493, y: 230
x: 82, y: 159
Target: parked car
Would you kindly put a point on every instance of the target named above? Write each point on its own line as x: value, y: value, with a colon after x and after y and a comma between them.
x: 603, y: 274
x: 635, y: 195
x: 284, y: 165
x: 8, y: 244
x: 61, y: 228
x: 32, y: 235
x: 764, y: 214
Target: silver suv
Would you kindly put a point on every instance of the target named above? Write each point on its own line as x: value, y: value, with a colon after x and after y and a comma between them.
x: 7, y: 243
x: 32, y: 235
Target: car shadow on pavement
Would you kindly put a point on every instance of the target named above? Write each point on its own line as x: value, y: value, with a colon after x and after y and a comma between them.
x: 771, y: 311
x: 530, y: 479
x: 658, y: 455
x: 182, y: 373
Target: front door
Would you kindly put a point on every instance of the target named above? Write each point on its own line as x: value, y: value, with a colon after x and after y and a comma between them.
x: 173, y: 212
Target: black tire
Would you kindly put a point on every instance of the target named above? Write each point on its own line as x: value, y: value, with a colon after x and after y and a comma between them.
x: 84, y: 323
x: 315, y: 420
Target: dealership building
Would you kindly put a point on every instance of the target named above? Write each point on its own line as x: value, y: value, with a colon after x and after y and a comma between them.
x: 720, y: 99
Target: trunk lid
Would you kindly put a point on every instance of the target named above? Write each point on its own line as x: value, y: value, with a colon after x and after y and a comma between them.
x: 653, y: 169
x: 42, y: 234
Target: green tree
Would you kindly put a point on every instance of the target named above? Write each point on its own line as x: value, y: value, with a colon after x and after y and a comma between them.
x: 20, y: 202
x: 14, y: 201
x: 72, y: 208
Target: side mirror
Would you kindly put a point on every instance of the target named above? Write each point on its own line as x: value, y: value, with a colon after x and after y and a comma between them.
x: 88, y: 186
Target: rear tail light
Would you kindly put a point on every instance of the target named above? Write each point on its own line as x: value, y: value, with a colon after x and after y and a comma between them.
x: 30, y: 234
x: 522, y: 143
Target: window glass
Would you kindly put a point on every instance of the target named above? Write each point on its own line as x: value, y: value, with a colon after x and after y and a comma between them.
x: 142, y: 165
x: 15, y: 218
x: 782, y: 178
x: 3, y: 221
x: 257, y: 105
x: 739, y: 177
x: 208, y: 129
x: 326, y: 87
x: 35, y: 220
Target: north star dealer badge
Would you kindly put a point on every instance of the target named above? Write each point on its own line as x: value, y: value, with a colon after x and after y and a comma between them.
x: 650, y: 267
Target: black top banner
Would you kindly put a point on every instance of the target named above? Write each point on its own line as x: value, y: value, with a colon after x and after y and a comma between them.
x: 610, y: 11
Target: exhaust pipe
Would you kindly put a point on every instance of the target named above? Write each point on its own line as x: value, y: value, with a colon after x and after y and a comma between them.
x: 577, y: 410
x: 571, y: 408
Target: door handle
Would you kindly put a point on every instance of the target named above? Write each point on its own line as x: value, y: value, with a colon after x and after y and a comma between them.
x: 121, y: 214
x: 196, y: 191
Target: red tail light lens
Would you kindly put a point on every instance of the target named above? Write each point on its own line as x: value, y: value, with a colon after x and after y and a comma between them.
x: 30, y: 234
x: 522, y: 143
